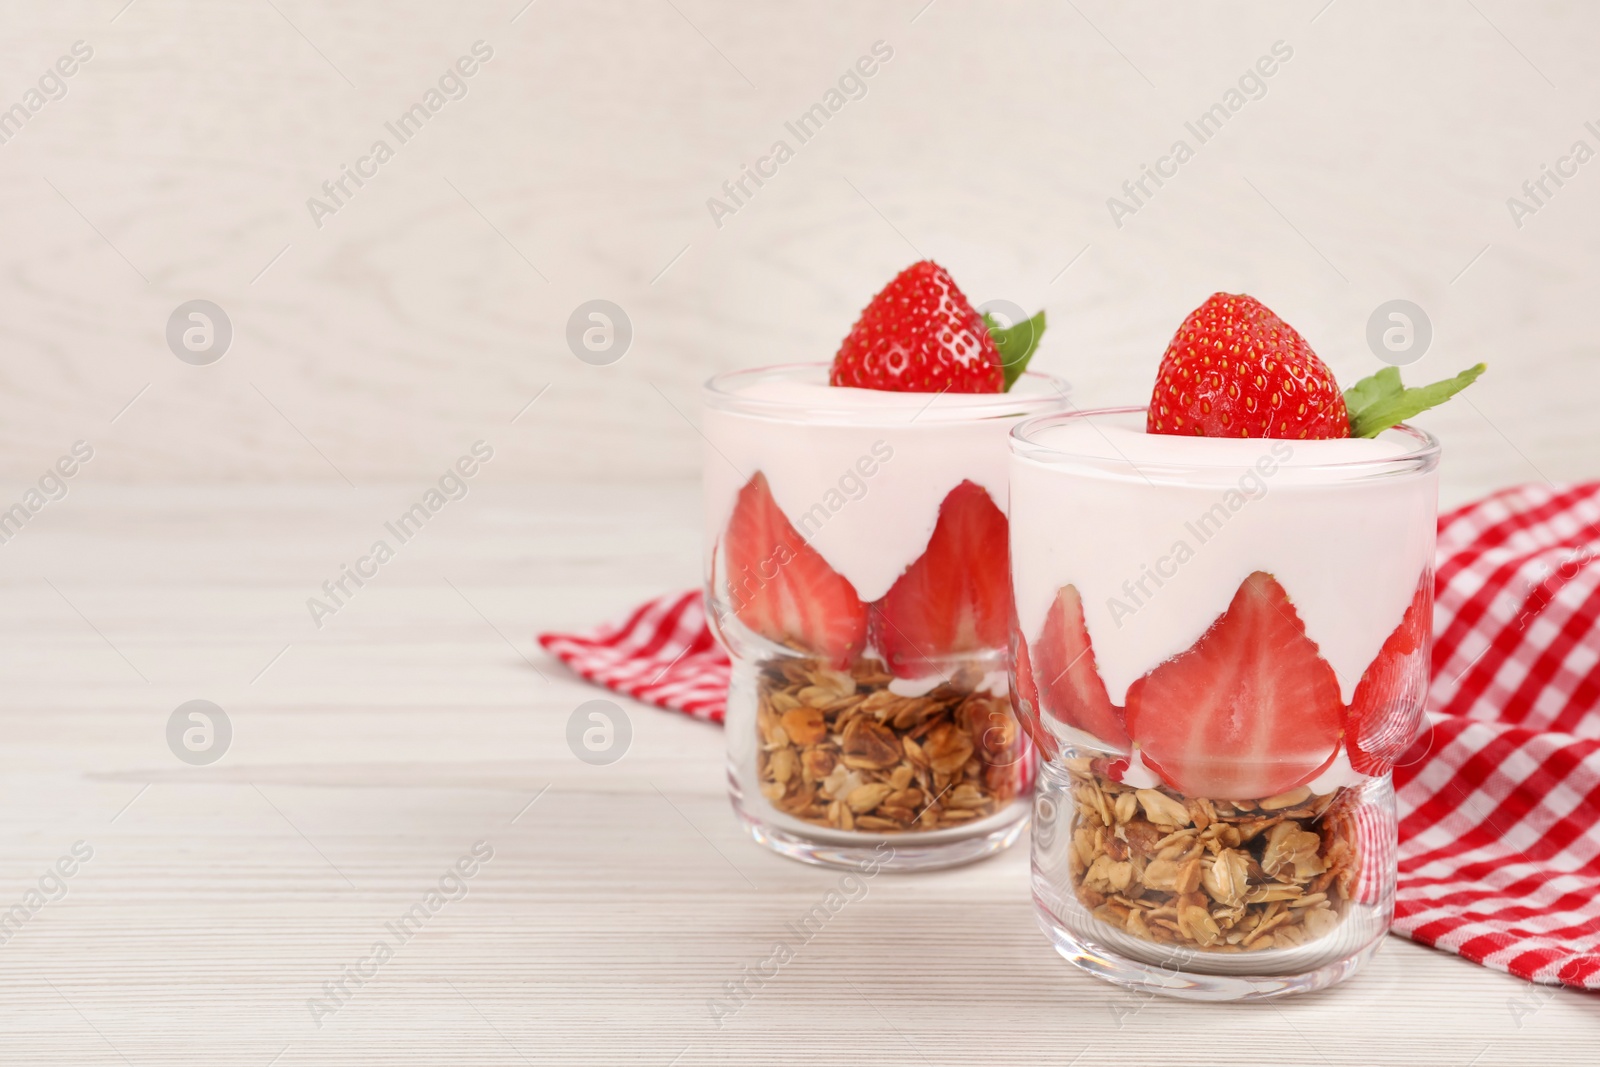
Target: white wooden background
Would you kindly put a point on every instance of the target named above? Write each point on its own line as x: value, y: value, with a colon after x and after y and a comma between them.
x: 430, y: 310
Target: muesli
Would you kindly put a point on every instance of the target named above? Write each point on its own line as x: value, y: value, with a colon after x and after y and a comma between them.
x: 1227, y: 876
x: 842, y: 750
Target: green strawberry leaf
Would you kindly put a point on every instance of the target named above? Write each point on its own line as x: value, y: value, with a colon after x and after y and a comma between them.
x: 1381, y: 401
x: 1016, y: 344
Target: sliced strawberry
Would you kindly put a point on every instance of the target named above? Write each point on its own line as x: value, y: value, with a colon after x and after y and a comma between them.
x: 956, y: 596
x: 920, y: 335
x: 1025, y: 696
x: 1106, y: 767
x: 1068, y: 678
x: 782, y: 588
x: 1025, y: 687
x: 1250, y: 711
x: 1385, y: 715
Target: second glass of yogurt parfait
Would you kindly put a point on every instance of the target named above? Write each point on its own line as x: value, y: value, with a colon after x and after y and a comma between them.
x: 1224, y: 646
x: 857, y: 573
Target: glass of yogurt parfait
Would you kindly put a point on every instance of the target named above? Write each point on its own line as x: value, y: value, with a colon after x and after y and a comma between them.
x: 857, y: 574
x: 1221, y: 644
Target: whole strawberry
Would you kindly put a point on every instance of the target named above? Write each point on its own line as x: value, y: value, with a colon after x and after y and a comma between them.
x: 920, y: 335
x: 1234, y: 369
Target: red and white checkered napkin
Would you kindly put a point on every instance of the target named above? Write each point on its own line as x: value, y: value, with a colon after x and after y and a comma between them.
x: 662, y: 653
x: 1499, y: 801
x: 1500, y: 805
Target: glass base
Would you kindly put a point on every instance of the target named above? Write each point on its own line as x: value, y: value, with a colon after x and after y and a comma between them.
x: 838, y: 769
x: 1233, y: 932
x: 1168, y: 980
x: 924, y: 851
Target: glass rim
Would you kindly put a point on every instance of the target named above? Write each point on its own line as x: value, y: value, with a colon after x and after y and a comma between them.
x: 1424, y: 456
x: 720, y: 391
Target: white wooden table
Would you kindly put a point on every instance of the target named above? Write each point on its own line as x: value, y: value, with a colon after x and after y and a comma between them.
x: 370, y: 351
x: 374, y: 753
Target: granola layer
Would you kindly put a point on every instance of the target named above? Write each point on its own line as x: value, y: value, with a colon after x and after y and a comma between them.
x: 840, y: 749
x: 1214, y: 875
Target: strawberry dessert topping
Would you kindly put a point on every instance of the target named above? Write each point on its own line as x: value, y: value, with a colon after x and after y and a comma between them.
x: 1068, y: 680
x: 920, y: 335
x: 1234, y: 369
x: 956, y: 596
x: 782, y: 588
x: 1025, y: 696
x: 1385, y: 714
x: 1251, y: 710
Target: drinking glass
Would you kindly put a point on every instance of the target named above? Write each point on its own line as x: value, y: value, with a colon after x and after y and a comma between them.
x: 1222, y: 647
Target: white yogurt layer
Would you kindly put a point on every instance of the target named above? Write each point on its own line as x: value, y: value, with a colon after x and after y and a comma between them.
x: 1338, y: 775
x: 1157, y: 532
x: 859, y: 472
x: 915, y: 687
